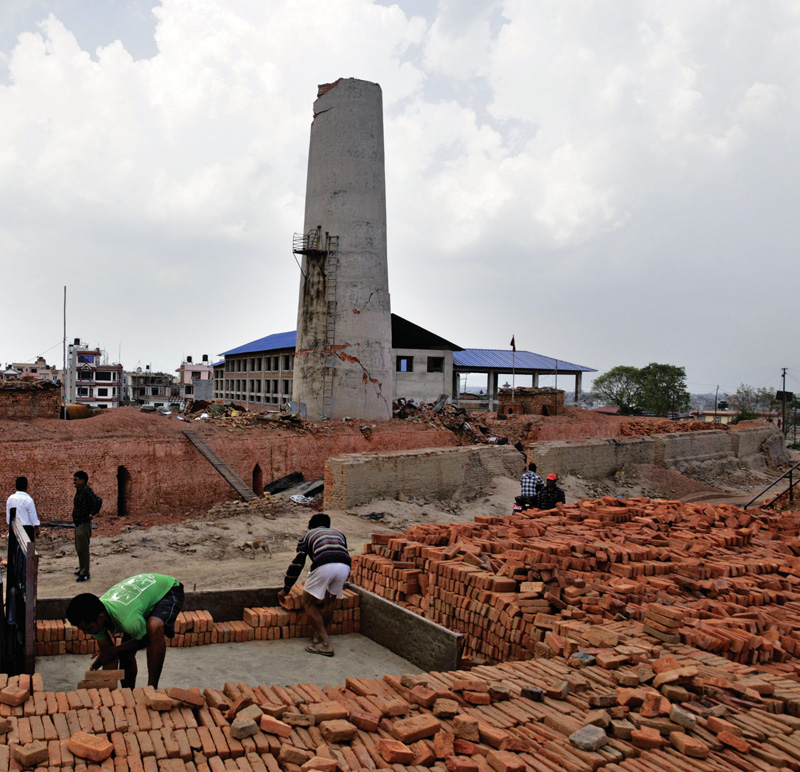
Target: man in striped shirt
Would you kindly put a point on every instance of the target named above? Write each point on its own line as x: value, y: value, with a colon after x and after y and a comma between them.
x: 330, y: 567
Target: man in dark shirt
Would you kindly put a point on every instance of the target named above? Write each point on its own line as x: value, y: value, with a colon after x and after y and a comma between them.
x: 551, y: 494
x: 330, y: 567
x: 85, y: 506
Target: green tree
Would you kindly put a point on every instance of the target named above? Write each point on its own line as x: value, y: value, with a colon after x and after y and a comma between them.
x: 747, y: 401
x: 620, y: 386
x: 663, y: 389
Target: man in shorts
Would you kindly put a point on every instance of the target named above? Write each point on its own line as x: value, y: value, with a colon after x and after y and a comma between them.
x: 143, y: 609
x: 330, y: 567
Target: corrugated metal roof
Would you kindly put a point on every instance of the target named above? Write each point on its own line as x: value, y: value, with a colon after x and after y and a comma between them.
x: 507, y: 360
x: 273, y: 342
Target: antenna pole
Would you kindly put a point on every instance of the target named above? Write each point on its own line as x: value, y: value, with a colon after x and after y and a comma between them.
x: 64, y: 356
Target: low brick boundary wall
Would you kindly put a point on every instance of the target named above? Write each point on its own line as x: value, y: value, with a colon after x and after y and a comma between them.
x: 438, y: 473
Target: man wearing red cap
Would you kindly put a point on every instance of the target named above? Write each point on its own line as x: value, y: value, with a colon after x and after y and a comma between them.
x: 551, y: 494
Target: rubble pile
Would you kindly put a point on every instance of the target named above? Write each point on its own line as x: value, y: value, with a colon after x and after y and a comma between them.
x: 715, y: 577
x: 265, y: 505
x: 468, y: 428
x: 644, y: 427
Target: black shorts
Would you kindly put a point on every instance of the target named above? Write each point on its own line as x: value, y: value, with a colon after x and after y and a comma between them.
x: 167, y: 610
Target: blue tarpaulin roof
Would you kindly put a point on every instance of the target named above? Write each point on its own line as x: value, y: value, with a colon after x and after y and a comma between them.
x: 506, y: 360
x: 272, y: 342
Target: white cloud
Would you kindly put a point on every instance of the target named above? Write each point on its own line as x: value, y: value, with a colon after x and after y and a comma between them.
x: 545, y: 156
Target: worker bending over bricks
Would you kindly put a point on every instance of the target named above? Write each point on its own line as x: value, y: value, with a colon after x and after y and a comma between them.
x: 330, y: 567
x: 143, y: 609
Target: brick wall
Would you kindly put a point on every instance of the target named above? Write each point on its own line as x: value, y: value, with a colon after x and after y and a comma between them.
x: 26, y: 400
x: 169, y: 474
x: 530, y: 401
x: 439, y: 473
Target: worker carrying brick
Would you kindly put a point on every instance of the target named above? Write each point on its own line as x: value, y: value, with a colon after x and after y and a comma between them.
x: 330, y: 567
x: 551, y: 494
x: 143, y: 609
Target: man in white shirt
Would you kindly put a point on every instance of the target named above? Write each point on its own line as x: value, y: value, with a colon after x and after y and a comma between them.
x: 26, y: 509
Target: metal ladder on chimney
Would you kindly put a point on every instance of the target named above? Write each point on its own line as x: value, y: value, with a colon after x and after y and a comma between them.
x: 329, y: 363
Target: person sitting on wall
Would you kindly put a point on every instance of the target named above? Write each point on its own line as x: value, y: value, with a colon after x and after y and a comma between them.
x: 531, y: 485
x: 143, y: 609
x: 25, y: 508
x: 330, y: 567
x: 551, y: 494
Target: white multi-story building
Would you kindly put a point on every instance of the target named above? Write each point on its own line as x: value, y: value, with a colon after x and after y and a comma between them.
x: 90, y: 379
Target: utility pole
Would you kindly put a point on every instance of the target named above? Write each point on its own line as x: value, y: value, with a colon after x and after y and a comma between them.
x: 783, y: 404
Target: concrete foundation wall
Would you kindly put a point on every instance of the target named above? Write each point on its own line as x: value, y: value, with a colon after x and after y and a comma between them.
x: 749, y: 441
x: 599, y: 458
x: 423, y: 643
x: 692, y: 446
x: 440, y: 473
x: 592, y: 458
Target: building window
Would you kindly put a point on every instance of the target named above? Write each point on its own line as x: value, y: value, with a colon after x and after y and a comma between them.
x: 405, y: 364
x: 188, y: 391
x: 102, y: 392
x: 101, y: 376
x: 83, y: 391
x: 85, y: 358
x: 435, y: 364
x: 259, y: 364
x: 287, y: 361
x: 286, y: 389
x: 275, y: 365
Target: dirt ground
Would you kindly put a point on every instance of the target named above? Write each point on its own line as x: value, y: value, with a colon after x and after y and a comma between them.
x: 205, y: 551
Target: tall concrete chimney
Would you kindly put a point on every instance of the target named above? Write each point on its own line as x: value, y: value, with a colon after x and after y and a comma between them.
x: 343, y: 363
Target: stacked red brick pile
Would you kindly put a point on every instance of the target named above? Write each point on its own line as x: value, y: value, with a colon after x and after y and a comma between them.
x: 662, y: 708
x: 198, y: 628
x: 718, y: 578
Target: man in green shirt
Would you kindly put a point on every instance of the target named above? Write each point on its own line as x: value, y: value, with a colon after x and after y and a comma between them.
x: 143, y: 609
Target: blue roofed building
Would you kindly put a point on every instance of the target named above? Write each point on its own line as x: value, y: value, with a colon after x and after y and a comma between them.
x: 259, y: 374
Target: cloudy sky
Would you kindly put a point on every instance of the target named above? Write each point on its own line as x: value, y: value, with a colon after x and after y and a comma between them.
x: 610, y: 182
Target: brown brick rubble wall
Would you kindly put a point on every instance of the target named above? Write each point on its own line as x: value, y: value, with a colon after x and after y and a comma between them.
x: 169, y: 475
x: 25, y: 402
x: 528, y: 401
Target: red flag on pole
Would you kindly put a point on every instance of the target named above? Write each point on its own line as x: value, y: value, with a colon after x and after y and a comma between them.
x: 513, y: 345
